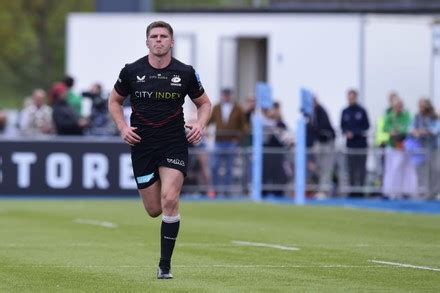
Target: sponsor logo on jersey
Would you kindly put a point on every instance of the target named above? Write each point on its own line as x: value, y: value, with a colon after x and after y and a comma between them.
x: 145, y: 179
x: 157, y: 95
x: 140, y: 79
x: 198, y: 81
x: 176, y: 162
x: 158, y: 76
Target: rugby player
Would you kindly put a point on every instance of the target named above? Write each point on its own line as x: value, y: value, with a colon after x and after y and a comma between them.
x: 157, y: 85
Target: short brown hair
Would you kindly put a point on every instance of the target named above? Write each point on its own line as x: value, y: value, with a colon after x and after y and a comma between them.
x: 353, y: 92
x: 160, y: 24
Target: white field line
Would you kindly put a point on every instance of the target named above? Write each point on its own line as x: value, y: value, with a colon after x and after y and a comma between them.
x: 257, y: 244
x: 403, y: 265
x: 96, y: 223
x: 204, y: 244
x: 231, y: 266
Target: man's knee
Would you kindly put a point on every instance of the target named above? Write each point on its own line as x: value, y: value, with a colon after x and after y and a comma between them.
x: 153, y: 212
x: 170, y: 201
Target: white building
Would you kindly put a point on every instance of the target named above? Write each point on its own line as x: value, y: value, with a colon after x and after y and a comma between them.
x: 327, y: 53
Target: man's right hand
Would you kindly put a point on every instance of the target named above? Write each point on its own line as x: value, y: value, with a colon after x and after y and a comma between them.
x: 129, y: 135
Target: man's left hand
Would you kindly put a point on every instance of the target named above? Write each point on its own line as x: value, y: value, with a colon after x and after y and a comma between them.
x: 194, y: 133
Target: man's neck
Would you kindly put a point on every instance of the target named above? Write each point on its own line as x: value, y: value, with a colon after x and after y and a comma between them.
x: 159, y: 62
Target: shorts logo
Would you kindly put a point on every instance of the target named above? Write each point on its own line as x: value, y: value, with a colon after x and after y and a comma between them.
x: 140, y: 79
x: 176, y: 162
x: 144, y: 179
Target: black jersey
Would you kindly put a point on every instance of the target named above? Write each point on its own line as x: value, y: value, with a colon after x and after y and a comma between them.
x: 157, y: 95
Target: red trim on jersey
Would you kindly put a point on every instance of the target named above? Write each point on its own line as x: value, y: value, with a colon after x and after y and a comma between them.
x: 155, y: 124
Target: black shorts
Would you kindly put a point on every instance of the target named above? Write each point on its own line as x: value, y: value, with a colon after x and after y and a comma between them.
x: 147, y: 158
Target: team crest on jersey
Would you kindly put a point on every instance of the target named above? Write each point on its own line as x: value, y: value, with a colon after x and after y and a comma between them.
x: 175, y: 81
x: 140, y: 79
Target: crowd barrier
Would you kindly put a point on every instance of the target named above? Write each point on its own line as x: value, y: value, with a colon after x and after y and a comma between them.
x: 97, y: 166
x: 327, y: 175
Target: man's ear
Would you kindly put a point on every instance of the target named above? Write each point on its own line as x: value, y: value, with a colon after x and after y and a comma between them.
x: 146, y: 43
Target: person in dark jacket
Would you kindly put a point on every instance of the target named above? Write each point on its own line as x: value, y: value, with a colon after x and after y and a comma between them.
x: 324, y: 148
x: 66, y: 121
x: 354, y: 125
x: 275, y: 144
x: 99, y: 121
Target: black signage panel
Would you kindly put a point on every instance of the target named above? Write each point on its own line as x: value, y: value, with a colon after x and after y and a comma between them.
x: 65, y: 167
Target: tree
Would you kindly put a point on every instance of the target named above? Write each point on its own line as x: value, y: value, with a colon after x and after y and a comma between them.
x: 32, y: 33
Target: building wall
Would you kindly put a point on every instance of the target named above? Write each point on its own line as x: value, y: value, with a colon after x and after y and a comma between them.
x: 397, y: 57
x: 328, y: 53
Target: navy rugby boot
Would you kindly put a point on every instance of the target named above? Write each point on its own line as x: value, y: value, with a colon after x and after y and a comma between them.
x: 164, y: 274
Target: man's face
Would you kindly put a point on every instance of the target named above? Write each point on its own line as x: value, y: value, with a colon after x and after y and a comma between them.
x: 227, y: 98
x: 159, y: 41
x: 38, y: 97
x: 398, y: 107
x: 351, y: 96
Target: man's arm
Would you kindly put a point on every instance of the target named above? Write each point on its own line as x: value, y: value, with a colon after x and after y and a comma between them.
x: 115, y: 108
x: 203, y: 105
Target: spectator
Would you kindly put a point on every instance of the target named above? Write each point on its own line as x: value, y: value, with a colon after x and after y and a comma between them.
x: 3, y: 120
x: 67, y: 122
x: 354, y: 125
x: 381, y: 136
x: 400, y: 176
x: 74, y: 100
x: 199, y: 158
x: 249, y: 108
x: 424, y: 130
x: 324, y: 148
x: 275, y: 144
x: 36, y: 117
x: 392, y: 98
x: 99, y: 120
x: 230, y: 123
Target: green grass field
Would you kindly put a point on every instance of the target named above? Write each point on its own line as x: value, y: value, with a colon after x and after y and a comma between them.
x: 112, y: 246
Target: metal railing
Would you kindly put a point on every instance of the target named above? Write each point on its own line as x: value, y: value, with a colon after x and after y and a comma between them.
x: 331, y: 172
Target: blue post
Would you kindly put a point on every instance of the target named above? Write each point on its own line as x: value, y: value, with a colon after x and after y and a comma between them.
x: 306, y: 109
x: 300, y: 162
x: 263, y: 100
x: 257, y: 155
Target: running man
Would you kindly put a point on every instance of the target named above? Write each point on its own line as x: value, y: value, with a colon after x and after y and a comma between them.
x: 157, y: 85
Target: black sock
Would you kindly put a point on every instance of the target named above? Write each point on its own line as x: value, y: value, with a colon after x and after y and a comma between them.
x: 168, y: 235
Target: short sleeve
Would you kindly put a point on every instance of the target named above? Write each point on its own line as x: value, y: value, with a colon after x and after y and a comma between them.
x: 195, y: 88
x: 122, y: 85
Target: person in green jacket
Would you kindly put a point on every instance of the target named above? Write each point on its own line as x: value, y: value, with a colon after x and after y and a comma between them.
x: 400, y: 177
x: 74, y: 100
x: 396, y: 124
